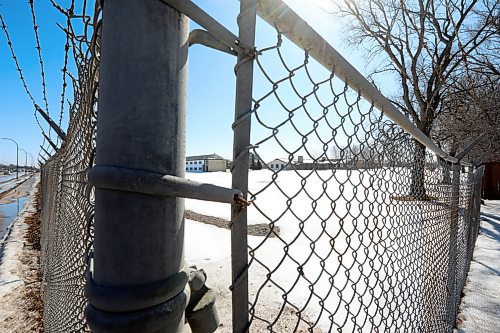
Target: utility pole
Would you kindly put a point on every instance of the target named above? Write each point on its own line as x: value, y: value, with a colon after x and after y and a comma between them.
x: 25, y: 160
x: 17, y: 156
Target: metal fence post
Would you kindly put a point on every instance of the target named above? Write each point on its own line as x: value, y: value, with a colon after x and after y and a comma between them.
x: 477, y: 209
x: 138, y: 280
x: 453, y: 251
x: 239, y: 245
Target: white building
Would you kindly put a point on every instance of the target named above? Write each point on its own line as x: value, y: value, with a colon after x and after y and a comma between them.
x: 277, y: 164
x: 205, y: 163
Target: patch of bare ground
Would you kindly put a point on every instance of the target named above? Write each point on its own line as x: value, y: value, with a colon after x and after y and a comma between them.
x: 22, y: 305
x: 260, y: 229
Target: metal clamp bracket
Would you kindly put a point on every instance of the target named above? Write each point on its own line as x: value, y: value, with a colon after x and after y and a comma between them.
x: 147, y: 182
x: 203, y: 37
x: 214, y: 28
x: 134, y: 298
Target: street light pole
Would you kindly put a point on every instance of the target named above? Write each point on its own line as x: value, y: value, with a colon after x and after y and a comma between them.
x: 25, y: 160
x: 32, y: 162
x: 17, y: 156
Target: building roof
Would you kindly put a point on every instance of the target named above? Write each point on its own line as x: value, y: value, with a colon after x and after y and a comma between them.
x: 278, y: 160
x: 204, y: 157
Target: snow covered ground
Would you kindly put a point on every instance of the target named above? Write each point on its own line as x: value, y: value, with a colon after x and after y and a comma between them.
x: 480, y: 307
x: 340, y: 256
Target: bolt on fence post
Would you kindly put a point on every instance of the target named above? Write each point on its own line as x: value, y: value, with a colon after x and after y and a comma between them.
x: 138, y: 279
x: 241, y: 143
x: 453, y: 250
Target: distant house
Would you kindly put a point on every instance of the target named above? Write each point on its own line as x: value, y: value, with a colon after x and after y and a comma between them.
x: 205, y: 163
x: 277, y: 164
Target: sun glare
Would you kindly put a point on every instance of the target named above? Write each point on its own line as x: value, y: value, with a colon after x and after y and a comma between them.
x: 326, y: 5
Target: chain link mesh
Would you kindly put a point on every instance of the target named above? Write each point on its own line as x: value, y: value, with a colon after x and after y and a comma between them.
x: 67, y: 198
x: 369, y: 239
x: 369, y: 236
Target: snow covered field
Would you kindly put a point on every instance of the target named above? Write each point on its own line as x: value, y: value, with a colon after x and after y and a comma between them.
x: 343, y: 252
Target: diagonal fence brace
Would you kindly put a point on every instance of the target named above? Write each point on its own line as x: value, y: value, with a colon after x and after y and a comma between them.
x: 52, y: 124
x: 54, y: 146
x: 471, y: 146
x: 46, y: 152
x: 146, y: 182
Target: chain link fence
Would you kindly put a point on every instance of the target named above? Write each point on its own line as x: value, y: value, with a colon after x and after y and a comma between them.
x: 67, y: 198
x: 367, y: 231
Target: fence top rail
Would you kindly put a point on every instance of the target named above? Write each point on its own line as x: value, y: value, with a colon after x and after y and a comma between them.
x: 278, y: 14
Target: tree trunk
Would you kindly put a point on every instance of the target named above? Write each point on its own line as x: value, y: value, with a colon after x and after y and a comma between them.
x: 417, y: 187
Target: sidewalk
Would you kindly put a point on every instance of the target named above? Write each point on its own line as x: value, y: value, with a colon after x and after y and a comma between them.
x: 480, y: 308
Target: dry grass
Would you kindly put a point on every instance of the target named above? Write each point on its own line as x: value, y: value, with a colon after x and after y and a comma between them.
x: 33, y: 305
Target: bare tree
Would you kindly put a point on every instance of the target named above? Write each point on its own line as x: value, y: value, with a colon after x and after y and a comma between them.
x: 471, y: 108
x: 426, y: 44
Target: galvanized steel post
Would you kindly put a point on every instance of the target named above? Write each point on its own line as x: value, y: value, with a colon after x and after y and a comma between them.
x: 244, y: 84
x: 453, y: 248
x: 137, y: 283
x: 479, y: 187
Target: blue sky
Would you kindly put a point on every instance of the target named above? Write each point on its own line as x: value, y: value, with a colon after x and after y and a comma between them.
x: 211, y: 74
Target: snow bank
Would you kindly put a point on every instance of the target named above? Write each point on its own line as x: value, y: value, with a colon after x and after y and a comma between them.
x: 480, y: 307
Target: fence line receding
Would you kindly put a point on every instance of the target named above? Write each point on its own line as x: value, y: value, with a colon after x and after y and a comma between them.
x: 366, y: 230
